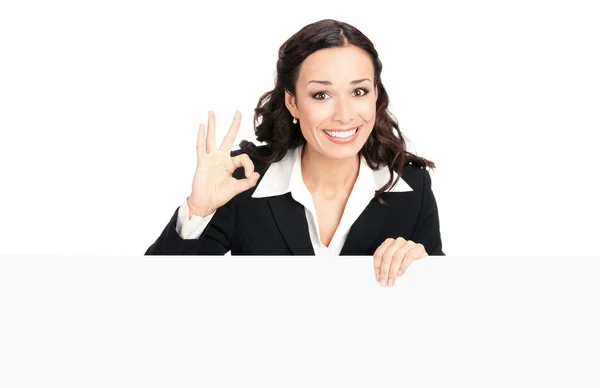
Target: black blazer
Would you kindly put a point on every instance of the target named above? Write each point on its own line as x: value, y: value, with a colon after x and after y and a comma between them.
x: 277, y: 225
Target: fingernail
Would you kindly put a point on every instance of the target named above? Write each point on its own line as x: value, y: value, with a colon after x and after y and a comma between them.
x: 382, y: 282
x: 392, y: 282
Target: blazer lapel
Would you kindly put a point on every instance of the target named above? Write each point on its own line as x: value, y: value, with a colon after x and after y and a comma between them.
x: 291, y: 221
x: 362, y: 234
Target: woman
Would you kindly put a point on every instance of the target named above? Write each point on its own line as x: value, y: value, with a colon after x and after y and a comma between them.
x: 334, y: 176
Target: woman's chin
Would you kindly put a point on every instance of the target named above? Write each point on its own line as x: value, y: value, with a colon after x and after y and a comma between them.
x: 340, y: 152
x: 336, y: 151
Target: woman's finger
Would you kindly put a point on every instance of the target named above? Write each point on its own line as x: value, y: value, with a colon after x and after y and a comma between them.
x: 242, y: 185
x: 227, y: 142
x: 386, y: 260
x: 398, y: 259
x: 243, y: 160
x: 201, y: 142
x: 211, y: 142
x: 415, y: 253
x: 377, y: 256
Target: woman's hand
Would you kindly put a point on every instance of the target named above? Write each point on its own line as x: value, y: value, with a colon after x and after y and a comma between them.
x: 393, y: 257
x: 213, y: 184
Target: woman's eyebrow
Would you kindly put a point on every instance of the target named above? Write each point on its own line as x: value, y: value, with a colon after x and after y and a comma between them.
x: 357, y: 81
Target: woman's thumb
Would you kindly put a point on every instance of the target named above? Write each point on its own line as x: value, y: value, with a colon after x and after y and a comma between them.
x: 242, y: 185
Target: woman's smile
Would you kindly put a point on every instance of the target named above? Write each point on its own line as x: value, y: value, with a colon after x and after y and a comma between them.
x: 342, y: 136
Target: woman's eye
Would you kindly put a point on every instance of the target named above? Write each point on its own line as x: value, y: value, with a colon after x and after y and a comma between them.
x: 320, y: 94
x: 364, y: 91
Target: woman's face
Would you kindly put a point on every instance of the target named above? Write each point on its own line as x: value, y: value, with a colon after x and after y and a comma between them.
x: 335, y: 101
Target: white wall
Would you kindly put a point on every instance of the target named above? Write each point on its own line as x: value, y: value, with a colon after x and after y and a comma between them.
x: 100, y: 104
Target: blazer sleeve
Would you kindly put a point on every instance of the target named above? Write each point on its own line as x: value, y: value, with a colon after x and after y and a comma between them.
x: 214, y: 240
x: 427, y: 229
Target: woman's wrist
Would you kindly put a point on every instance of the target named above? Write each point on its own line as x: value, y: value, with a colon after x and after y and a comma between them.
x: 198, y: 211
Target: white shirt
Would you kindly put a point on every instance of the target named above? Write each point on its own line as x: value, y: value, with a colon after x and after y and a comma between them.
x: 284, y: 177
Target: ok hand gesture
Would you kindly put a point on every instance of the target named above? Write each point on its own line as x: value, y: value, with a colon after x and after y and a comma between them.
x: 213, y: 184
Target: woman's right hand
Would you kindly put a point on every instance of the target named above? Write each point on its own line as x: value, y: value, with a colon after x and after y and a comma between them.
x: 213, y: 184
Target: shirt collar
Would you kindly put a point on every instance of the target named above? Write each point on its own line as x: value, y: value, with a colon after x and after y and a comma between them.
x: 285, y: 176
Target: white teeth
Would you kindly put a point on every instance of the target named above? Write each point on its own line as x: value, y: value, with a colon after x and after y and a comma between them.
x: 340, y: 134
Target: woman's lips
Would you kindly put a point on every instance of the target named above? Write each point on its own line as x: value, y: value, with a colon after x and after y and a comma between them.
x: 331, y: 135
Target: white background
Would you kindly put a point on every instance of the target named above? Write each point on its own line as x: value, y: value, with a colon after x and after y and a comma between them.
x: 100, y: 104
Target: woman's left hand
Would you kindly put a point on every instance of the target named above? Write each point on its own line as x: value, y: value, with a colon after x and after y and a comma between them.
x: 393, y: 257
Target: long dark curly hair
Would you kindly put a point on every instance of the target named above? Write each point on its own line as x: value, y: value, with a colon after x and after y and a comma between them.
x: 273, y: 121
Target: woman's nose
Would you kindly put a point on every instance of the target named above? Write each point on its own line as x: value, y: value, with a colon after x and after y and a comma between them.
x: 343, y: 111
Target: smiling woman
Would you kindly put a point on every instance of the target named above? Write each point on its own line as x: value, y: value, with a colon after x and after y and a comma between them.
x: 334, y: 108
x: 334, y: 176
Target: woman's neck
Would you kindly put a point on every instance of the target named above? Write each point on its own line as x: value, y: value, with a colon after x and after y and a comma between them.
x: 326, y: 176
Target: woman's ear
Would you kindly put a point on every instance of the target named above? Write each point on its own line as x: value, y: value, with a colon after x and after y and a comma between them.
x: 290, y: 103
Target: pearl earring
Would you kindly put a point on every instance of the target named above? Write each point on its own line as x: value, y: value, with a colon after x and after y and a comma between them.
x: 295, y: 120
